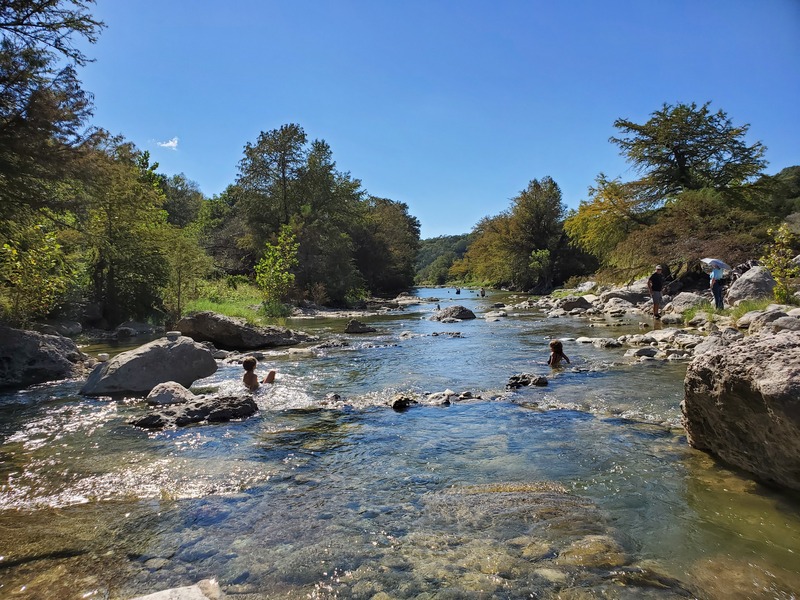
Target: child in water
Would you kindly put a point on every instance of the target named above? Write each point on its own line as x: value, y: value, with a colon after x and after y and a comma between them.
x: 250, y: 378
x: 557, y: 354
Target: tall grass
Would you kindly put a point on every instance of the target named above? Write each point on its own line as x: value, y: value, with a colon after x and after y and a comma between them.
x: 231, y: 297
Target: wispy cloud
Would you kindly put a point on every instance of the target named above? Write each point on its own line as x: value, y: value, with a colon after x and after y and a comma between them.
x: 171, y: 144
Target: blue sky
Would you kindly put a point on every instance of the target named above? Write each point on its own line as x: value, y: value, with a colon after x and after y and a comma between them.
x: 451, y: 106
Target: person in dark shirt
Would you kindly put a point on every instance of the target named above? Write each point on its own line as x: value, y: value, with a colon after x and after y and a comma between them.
x: 655, y: 283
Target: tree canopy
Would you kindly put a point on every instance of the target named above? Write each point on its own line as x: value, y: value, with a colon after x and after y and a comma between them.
x: 686, y: 147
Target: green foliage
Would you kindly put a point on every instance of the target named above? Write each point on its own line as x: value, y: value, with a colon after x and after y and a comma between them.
x: 388, y: 242
x: 274, y: 309
x: 697, y: 223
x: 273, y: 271
x: 614, y: 210
x: 33, y: 274
x: 124, y: 227
x: 437, y: 255
x: 778, y: 258
x: 183, y: 199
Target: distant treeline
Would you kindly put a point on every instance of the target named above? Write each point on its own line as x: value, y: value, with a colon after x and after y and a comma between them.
x: 701, y: 192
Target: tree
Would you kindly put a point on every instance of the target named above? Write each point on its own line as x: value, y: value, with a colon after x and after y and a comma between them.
x: 268, y: 176
x: 50, y: 24
x: 183, y: 199
x: 124, y: 225
x: 188, y: 264
x: 537, y: 215
x: 388, y: 246
x: 613, y: 211
x: 42, y: 106
x: 686, y: 147
x: 273, y: 271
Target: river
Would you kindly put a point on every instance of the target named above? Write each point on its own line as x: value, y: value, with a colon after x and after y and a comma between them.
x: 493, y: 497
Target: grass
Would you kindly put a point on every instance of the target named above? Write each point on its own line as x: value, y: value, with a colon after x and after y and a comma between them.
x: 734, y: 312
x: 229, y: 297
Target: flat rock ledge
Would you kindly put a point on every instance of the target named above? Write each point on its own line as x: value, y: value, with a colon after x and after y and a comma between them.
x: 232, y: 333
x: 742, y: 404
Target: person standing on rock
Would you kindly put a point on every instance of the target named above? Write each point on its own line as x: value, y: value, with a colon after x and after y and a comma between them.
x: 250, y: 378
x: 715, y: 281
x: 655, y: 284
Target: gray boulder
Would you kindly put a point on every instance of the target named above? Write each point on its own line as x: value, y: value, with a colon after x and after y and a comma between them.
x: 169, y: 392
x: 760, y: 321
x: 633, y: 293
x: 684, y: 301
x: 30, y: 357
x: 751, y: 285
x: 573, y: 302
x: 209, y: 410
x: 781, y: 323
x: 741, y: 405
x: 457, y: 312
x: 141, y: 369
x: 356, y: 326
x: 233, y: 333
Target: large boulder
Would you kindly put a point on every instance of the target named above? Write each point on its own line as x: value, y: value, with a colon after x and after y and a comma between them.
x: 754, y: 284
x: 684, y: 301
x: 29, y: 357
x: 573, y: 302
x: 233, y: 333
x: 453, y: 312
x: 634, y: 293
x: 139, y: 370
x: 742, y: 404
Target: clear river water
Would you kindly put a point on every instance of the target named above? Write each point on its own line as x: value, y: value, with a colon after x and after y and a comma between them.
x: 584, y: 488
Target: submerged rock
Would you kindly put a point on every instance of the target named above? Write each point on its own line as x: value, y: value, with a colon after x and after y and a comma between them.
x: 207, y: 589
x: 524, y: 380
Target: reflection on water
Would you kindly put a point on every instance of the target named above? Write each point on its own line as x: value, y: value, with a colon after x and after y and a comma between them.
x: 583, y: 488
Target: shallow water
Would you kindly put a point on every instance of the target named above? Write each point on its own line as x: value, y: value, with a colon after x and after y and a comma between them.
x: 494, y: 497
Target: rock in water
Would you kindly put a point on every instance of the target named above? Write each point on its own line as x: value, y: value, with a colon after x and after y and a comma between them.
x: 232, y: 333
x: 742, y: 404
x: 140, y: 370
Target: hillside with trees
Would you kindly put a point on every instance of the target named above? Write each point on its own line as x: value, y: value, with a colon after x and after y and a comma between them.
x: 701, y: 192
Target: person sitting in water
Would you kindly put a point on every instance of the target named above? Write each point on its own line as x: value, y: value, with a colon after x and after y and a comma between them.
x: 250, y: 378
x: 557, y: 354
